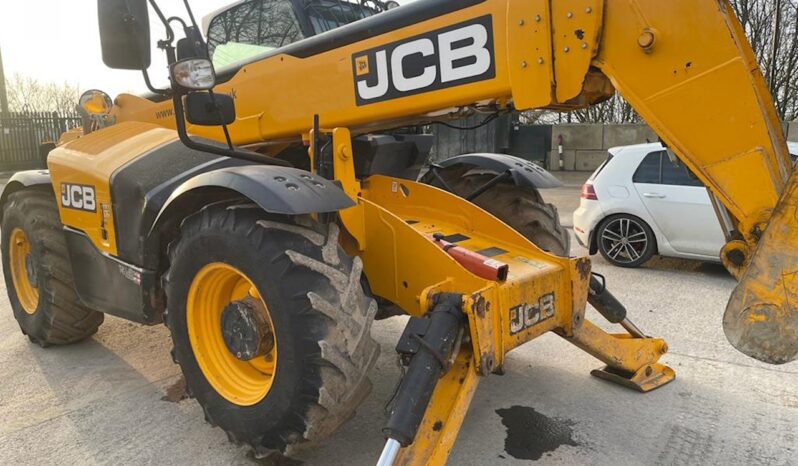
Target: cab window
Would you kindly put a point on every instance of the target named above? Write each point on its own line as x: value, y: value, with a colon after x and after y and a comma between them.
x: 326, y: 15
x: 250, y: 29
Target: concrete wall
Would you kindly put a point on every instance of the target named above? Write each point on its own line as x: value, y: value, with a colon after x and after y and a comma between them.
x: 791, y: 131
x: 585, y: 146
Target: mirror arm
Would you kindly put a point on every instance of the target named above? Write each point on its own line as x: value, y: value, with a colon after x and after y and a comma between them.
x: 178, y: 20
x: 191, y: 14
x: 177, y: 99
x: 219, y: 115
x: 151, y: 87
x: 170, y: 34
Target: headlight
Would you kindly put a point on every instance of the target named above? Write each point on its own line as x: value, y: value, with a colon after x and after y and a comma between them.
x: 194, y: 74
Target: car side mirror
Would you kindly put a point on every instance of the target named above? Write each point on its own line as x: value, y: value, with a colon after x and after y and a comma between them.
x: 125, y: 34
x: 204, y: 110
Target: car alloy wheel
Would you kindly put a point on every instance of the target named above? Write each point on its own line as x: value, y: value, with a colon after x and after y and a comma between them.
x: 624, y: 241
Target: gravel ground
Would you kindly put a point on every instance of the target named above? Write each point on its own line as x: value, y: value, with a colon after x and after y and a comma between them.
x: 106, y: 401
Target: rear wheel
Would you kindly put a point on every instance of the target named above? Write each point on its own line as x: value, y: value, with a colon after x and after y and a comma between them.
x: 271, y: 326
x: 38, y: 274
x: 626, y: 241
x: 520, y: 207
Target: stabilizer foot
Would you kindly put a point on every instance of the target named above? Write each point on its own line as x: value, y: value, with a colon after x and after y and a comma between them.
x: 647, y: 378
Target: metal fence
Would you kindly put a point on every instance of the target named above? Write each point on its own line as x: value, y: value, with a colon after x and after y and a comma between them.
x: 22, y: 135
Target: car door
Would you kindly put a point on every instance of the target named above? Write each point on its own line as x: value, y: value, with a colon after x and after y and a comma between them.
x: 680, y: 205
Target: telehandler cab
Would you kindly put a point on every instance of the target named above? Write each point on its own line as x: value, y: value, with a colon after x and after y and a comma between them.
x: 249, y: 209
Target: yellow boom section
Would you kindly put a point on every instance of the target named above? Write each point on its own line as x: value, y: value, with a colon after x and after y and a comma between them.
x: 684, y: 65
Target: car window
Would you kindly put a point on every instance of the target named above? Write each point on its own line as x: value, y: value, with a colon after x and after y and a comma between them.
x: 649, y: 170
x: 250, y: 29
x: 600, y: 168
x: 677, y: 174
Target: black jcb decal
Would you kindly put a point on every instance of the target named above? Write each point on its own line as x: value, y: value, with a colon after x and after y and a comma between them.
x: 528, y: 315
x: 78, y: 197
x: 456, y: 55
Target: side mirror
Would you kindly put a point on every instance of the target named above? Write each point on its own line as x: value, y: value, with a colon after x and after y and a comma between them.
x: 125, y: 34
x: 202, y: 110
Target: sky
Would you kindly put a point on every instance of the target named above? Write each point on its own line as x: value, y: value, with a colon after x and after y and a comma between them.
x: 59, y: 40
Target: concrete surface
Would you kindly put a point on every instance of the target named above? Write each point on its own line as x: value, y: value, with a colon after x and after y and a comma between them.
x: 102, y: 401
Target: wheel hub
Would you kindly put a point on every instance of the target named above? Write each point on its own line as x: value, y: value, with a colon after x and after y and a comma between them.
x: 245, y: 330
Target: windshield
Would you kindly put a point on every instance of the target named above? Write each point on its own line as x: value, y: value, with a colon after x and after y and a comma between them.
x: 254, y: 27
x: 251, y: 28
x: 325, y: 15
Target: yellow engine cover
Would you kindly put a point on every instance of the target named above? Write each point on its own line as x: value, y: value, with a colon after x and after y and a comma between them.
x: 81, y: 172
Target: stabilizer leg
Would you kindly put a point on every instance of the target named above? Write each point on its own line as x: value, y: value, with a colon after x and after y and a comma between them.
x: 631, y: 362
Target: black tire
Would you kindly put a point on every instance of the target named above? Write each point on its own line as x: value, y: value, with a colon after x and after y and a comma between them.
x: 520, y: 207
x: 641, y: 243
x: 321, y: 317
x: 59, y: 318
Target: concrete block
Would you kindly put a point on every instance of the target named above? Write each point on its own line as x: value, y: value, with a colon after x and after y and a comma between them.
x: 578, y: 137
x: 569, y: 159
x: 625, y: 135
x: 792, y: 131
x: 589, y: 160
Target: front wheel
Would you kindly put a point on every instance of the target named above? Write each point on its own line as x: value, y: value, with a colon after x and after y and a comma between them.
x: 271, y: 326
x: 38, y: 273
x: 626, y: 241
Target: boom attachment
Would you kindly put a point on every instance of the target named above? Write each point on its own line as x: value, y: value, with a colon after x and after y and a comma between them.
x: 689, y: 71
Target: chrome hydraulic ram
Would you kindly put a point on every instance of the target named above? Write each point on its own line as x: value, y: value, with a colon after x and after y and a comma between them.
x: 608, y: 306
x: 425, y: 348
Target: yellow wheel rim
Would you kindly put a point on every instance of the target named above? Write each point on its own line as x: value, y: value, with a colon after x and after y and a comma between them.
x: 243, y: 383
x: 19, y: 252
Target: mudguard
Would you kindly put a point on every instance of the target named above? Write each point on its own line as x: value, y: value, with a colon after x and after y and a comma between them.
x: 523, y: 172
x: 278, y: 190
x: 22, y: 180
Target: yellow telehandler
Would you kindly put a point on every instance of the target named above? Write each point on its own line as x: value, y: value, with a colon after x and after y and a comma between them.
x: 267, y: 211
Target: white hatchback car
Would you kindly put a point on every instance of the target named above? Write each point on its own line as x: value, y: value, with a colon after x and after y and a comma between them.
x: 640, y: 203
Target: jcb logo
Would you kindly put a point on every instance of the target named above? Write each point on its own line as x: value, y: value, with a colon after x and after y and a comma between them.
x: 528, y: 315
x: 453, y: 56
x: 78, y: 197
